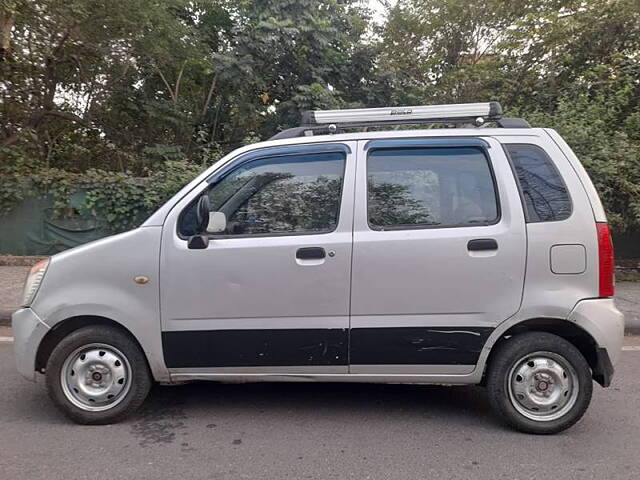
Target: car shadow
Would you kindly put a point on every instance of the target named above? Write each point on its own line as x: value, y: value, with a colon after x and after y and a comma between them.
x: 172, y: 407
x: 465, y: 405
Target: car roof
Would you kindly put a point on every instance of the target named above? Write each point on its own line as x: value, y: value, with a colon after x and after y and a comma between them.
x: 388, y: 134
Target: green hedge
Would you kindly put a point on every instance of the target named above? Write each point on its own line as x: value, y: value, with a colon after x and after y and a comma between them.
x: 120, y: 200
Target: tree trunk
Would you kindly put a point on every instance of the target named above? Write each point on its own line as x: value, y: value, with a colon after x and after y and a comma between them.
x: 7, y: 20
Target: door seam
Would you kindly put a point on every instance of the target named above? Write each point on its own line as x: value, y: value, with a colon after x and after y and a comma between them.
x: 356, y: 156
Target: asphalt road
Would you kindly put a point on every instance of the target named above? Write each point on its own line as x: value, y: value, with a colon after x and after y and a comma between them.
x: 315, y: 431
x: 628, y: 302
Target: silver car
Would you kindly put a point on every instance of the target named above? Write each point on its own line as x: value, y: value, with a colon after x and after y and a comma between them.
x: 471, y: 255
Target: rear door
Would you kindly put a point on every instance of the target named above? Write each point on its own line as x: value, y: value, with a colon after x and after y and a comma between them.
x: 439, y: 253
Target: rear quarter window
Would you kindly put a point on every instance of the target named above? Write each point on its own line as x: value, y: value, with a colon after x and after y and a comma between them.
x: 544, y: 193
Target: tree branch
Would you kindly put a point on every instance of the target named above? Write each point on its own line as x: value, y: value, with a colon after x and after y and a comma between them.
x: 71, y: 117
x: 210, y: 94
x: 38, y: 118
x: 175, y: 98
x: 166, y: 84
x: 7, y: 20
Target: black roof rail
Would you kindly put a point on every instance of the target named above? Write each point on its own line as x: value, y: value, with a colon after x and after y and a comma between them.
x: 512, y: 122
x: 336, y: 121
x: 293, y: 133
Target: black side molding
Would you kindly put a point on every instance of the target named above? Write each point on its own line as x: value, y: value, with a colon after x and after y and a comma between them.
x: 255, y: 348
x: 417, y: 345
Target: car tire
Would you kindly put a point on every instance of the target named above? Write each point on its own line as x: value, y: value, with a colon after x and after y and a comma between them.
x: 97, y: 375
x: 539, y: 383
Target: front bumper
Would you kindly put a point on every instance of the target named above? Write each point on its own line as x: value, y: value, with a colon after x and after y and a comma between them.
x: 605, y: 323
x: 28, y: 332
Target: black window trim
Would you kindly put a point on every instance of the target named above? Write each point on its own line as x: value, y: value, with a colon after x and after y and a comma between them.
x: 261, y: 154
x: 553, y: 166
x: 481, y: 146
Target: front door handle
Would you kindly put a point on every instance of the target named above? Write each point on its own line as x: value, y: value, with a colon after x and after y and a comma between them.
x: 310, y: 253
x: 482, y: 244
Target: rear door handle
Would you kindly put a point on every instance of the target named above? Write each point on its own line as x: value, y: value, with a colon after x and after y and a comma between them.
x: 310, y: 253
x: 482, y: 244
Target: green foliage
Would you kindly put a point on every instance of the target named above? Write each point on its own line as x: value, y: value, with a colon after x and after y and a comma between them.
x: 120, y: 200
x: 591, y: 126
x: 392, y: 203
x: 124, y: 93
x: 124, y: 201
x: 572, y: 66
x: 286, y: 204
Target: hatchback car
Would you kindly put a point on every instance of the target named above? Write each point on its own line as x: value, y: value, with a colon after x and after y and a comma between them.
x: 346, y: 250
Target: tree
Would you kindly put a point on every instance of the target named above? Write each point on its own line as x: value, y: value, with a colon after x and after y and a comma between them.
x: 127, y: 86
x: 570, y: 65
x: 86, y: 82
x: 293, y: 55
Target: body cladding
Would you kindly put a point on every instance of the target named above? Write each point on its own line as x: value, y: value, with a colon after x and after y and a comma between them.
x: 307, y: 347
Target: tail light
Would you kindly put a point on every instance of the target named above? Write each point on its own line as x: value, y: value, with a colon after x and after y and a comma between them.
x: 605, y: 256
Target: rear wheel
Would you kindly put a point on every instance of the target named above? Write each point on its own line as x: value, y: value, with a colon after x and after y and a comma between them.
x: 539, y: 383
x: 97, y: 375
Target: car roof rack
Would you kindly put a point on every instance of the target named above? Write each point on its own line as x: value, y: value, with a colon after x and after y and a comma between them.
x: 321, y: 122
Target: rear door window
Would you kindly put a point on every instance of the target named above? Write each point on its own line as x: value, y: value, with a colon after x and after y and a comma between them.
x: 429, y: 188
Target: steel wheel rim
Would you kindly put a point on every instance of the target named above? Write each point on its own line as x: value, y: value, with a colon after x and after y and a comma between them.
x: 543, y: 386
x: 96, y: 377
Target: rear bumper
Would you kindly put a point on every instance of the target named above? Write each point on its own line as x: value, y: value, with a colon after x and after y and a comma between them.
x: 28, y: 332
x: 605, y: 323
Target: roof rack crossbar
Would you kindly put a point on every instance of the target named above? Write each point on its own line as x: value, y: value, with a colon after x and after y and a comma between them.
x: 487, y: 110
x: 332, y: 121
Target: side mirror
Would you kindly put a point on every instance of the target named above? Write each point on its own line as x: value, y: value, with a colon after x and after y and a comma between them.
x: 217, y: 222
x: 198, y: 242
x: 202, y: 214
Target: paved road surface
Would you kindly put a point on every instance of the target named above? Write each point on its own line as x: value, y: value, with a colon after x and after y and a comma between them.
x: 628, y: 301
x: 11, y: 283
x: 315, y: 431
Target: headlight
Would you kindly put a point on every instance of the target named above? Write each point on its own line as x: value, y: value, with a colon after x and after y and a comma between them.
x: 31, y: 286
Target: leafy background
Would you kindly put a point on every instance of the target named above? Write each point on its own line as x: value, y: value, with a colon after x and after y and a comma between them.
x: 129, y: 99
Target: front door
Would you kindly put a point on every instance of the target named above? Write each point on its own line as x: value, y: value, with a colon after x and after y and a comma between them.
x: 271, y: 292
x: 439, y: 254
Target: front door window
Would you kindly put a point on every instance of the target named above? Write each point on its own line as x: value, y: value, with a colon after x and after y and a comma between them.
x: 280, y: 195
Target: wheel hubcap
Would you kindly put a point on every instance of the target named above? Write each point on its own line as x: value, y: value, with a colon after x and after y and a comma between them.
x: 96, y: 377
x: 543, y: 386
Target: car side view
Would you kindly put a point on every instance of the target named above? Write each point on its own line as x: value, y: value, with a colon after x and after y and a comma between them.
x: 346, y: 250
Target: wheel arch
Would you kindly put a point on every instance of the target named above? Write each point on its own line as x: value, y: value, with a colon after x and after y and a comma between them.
x: 71, y: 324
x: 569, y: 331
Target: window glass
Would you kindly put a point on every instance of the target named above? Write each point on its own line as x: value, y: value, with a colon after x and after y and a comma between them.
x: 423, y: 187
x: 545, y: 194
x: 278, y: 195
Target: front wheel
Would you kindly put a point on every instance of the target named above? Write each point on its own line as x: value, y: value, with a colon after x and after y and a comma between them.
x: 539, y: 383
x: 97, y: 375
